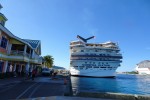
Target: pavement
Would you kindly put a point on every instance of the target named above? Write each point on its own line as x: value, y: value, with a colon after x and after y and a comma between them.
x: 59, y: 79
x: 65, y: 98
x: 11, y: 80
x: 19, y: 88
x: 42, y: 88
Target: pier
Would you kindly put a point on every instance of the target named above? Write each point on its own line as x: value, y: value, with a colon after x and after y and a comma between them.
x: 59, y: 88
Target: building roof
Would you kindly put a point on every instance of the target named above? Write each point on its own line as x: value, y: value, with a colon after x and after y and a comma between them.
x: 144, y: 64
x: 33, y: 43
x: 13, y: 36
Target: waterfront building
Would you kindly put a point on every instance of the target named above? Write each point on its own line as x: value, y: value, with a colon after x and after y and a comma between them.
x: 143, y: 67
x: 16, y: 54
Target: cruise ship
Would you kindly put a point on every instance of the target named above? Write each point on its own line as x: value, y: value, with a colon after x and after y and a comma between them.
x: 94, y: 59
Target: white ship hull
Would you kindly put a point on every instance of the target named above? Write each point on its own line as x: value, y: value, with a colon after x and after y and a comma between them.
x: 93, y: 73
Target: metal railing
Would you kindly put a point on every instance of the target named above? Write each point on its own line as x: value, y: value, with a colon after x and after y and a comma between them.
x: 19, y: 53
x: 16, y: 52
x: 36, y: 58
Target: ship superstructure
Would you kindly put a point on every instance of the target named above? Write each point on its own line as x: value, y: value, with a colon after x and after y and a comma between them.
x: 94, y: 59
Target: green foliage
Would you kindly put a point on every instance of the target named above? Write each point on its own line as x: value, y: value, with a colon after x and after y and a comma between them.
x: 49, y: 60
x: 132, y: 72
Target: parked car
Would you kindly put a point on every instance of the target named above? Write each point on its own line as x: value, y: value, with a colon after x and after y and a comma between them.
x: 46, y: 71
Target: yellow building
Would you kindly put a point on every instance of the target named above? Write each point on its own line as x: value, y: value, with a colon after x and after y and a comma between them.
x: 16, y: 54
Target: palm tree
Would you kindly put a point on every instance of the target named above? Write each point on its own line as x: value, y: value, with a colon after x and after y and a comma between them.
x: 48, y: 61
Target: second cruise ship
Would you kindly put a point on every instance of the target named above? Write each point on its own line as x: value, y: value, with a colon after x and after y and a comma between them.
x: 94, y: 59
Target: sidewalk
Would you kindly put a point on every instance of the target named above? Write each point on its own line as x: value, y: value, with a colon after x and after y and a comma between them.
x: 65, y: 98
x: 11, y: 80
x: 59, y: 79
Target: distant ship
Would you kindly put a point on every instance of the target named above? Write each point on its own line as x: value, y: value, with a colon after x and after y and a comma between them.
x: 94, y: 59
x: 143, y: 67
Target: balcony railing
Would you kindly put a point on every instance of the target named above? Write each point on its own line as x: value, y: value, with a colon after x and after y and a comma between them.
x: 27, y: 55
x: 19, y: 53
x: 37, y: 60
x: 16, y: 52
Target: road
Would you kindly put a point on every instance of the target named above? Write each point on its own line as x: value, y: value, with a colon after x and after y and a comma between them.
x: 40, y: 87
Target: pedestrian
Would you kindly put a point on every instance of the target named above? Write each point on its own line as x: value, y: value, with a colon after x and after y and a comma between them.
x: 30, y: 72
x: 14, y: 73
x: 26, y: 74
x: 33, y: 74
x: 54, y: 75
x: 51, y: 72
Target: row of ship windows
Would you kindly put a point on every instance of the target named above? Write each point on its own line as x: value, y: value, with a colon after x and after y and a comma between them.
x: 98, y: 62
x: 91, y: 67
x: 102, y: 59
x: 99, y: 45
x: 108, y: 47
x: 98, y: 55
x: 96, y: 51
x: 95, y: 45
x: 95, y: 65
x: 97, y: 68
x: 95, y: 62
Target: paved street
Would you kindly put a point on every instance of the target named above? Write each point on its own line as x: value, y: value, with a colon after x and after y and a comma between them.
x: 18, y: 88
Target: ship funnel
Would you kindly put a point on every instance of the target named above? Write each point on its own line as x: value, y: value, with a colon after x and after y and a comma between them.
x: 83, y: 39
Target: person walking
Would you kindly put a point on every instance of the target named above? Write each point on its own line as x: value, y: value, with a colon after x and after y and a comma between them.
x: 30, y: 72
x: 33, y: 73
x: 26, y: 75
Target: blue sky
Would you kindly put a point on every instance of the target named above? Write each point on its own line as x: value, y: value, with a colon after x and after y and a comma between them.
x: 57, y: 22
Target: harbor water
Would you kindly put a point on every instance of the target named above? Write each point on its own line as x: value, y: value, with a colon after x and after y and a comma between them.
x: 122, y: 83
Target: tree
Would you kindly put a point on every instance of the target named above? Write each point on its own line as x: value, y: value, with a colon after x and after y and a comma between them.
x: 48, y: 61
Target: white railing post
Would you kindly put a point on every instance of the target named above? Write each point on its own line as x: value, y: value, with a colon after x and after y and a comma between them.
x: 33, y: 54
x: 25, y: 49
x: 5, y: 67
x: 9, y: 48
x: 27, y: 66
x: 30, y: 56
x: 14, y: 67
